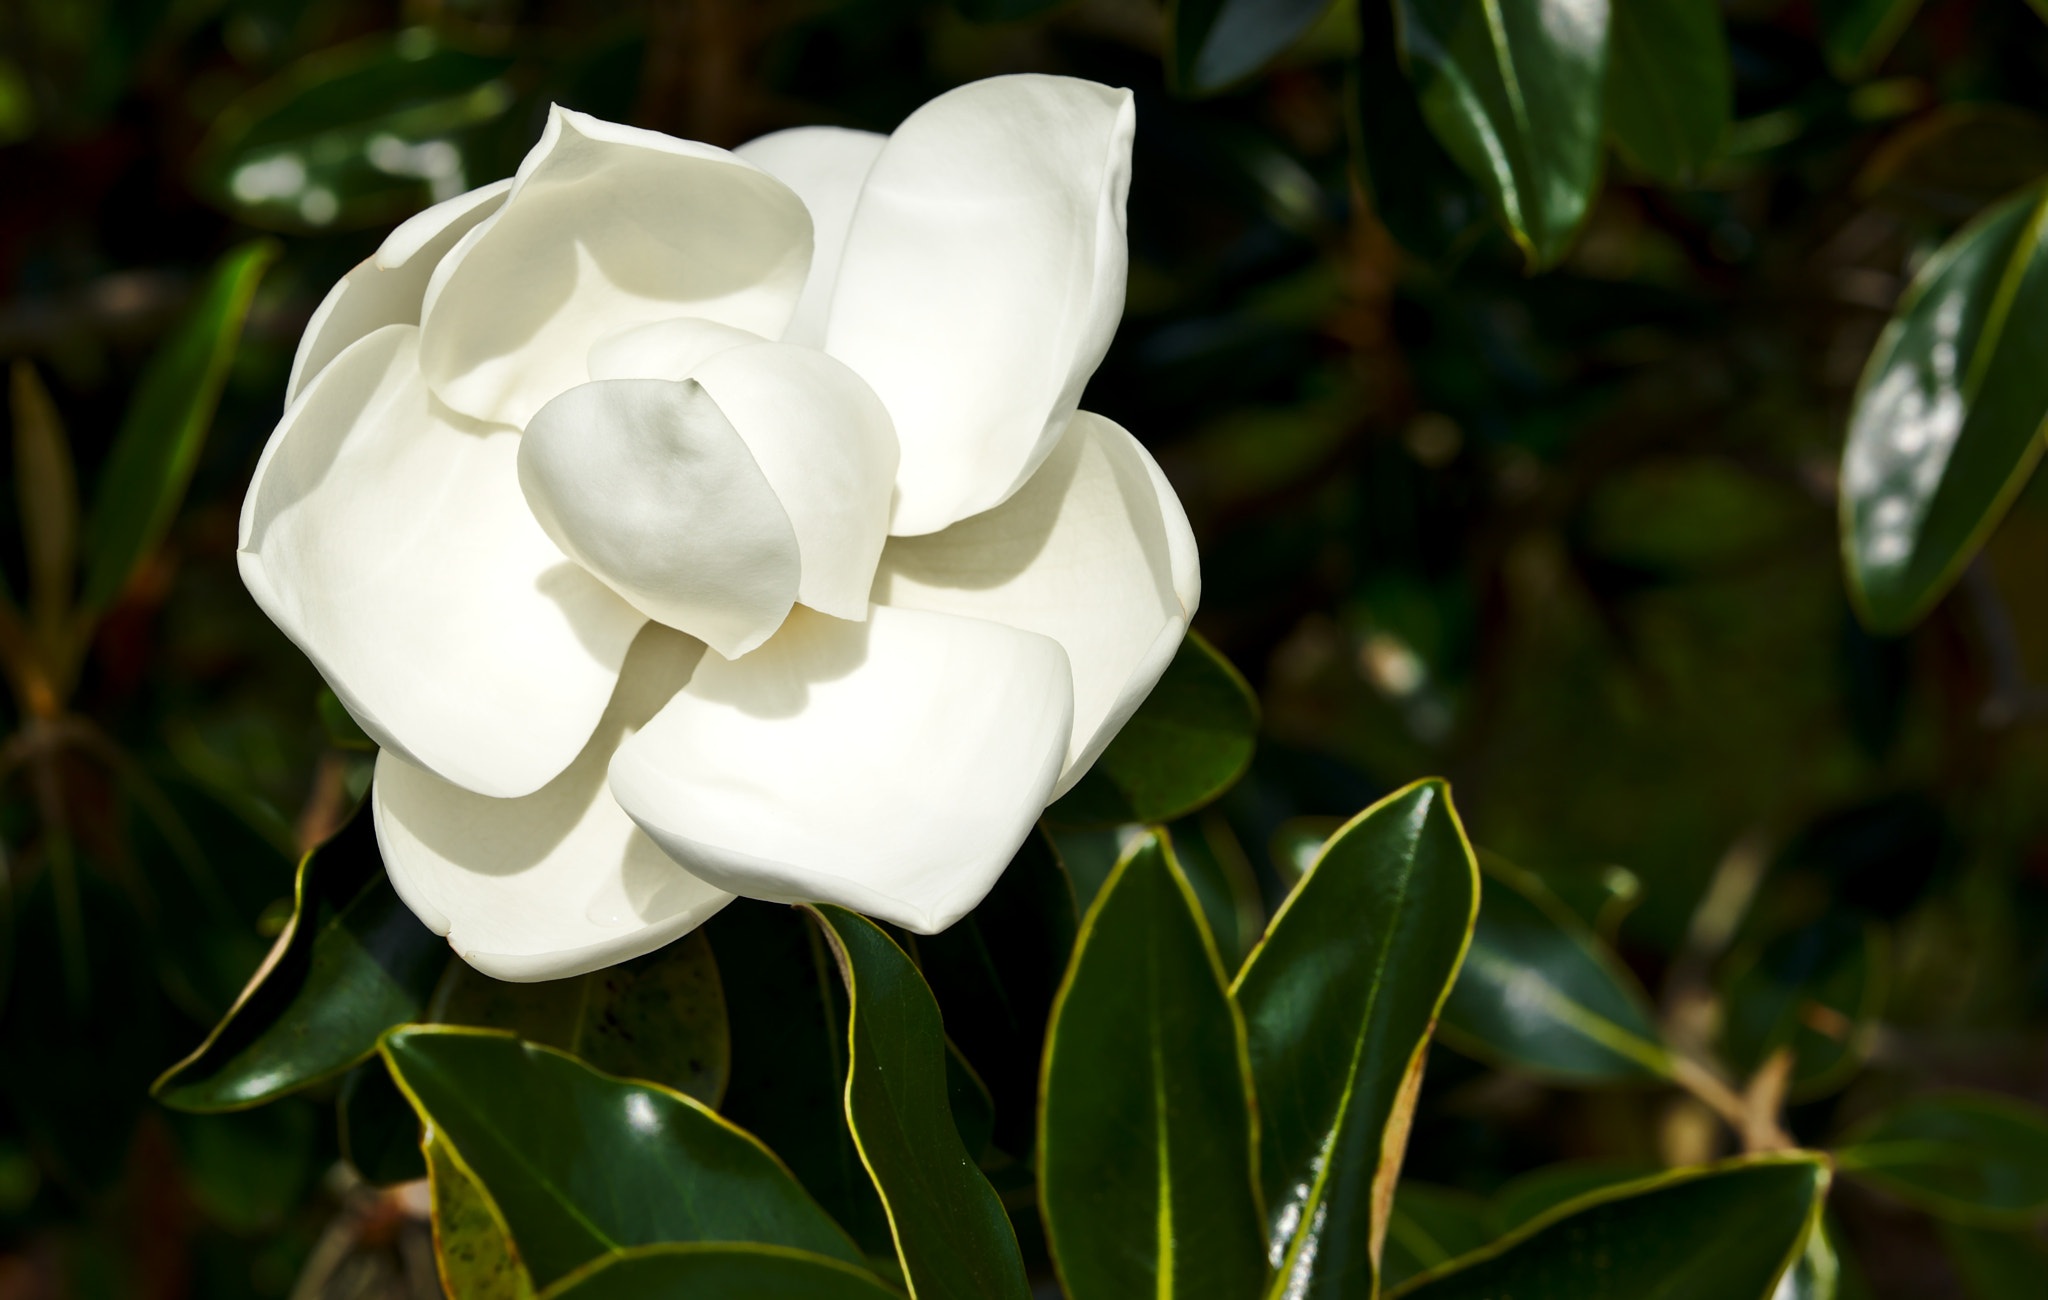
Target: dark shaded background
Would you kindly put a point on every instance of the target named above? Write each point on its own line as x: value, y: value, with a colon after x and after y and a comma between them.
x: 1568, y: 540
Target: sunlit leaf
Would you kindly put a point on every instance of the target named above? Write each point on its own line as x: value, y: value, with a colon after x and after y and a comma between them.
x: 1339, y: 1000
x: 719, y: 1271
x: 1212, y: 44
x: 153, y: 456
x: 352, y: 962
x: 1669, y: 88
x: 1513, y: 89
x: 1187, y: 743
x: 1145, y: 1153
x: 473, y: 1249
x: 581, y: 1163
x: 1946, y: 422
x: 1971, y: 1157
x: 1721, y: 1232
x: 952, y: 1234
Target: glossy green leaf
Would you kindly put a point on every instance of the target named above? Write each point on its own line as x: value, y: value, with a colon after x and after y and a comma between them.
x: 1429, y: 1226
x: 1513, y: 89
x: 719, y: 1271
x: 1339, y: 999
x: 1720, y: 1232
x: 1670, y: 91
x: 352, y: 962
x: 1972, y: 1157
x: 1817, y: 990
x: 1418, y: 191
x: 1539, y: 992
x: 581, y: 1163
x: 473, y: 1249
x: 1857, y: 34
x: 1146, y: 1143
x: 952, y: 1234
x: 1187, y: 743
x: 1213, y: 44
x: 1947, y: 419
x: 1538, y: 1192
x: 659, y: 1017
x: 359, y: 134
x: 994, y: 973
x: 378, y: 1131
x: 787, y: 1012
x: 1997, y: 1265
x: 153, y: 456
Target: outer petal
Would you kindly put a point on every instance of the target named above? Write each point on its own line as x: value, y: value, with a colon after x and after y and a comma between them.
x: 825, y: 165
x: 561, y: 881
x: 1093, y: 552
x: 388, y: 286
x: 606, y: 226
x: 396, y: 550
x: 819, y: 434
x: 982, y: 280
x: 892, y: 766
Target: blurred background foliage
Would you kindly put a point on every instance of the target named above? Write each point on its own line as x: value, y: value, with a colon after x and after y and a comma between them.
x: 1566, y: 536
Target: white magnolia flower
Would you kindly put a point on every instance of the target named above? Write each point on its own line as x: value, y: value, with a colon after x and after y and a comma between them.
x: 812, y: 405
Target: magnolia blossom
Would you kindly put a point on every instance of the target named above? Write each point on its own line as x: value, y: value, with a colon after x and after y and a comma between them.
x: 687, y: 523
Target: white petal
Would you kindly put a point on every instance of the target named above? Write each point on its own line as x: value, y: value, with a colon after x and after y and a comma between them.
x: 388, y: 286
x: 663, y: 349
x: 396, y: 550
x: 892, y: 766
x: 645, y: 483
x: 606, y: 226
x: 1092, y: 552
x: 825, y: 165
x: 561, y: 881
x: 982, y: 280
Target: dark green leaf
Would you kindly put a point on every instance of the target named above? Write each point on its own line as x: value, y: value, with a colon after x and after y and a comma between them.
x: 1542, y: 1190
x: 1971, y: 1157
x: 1418, y: 191
x: 1338, y: 1000
x: 379, y: 1133
x: 473, y: 1249
x: 1669, y: 88
x: 1186, y: 744
x: 1429, y: 1226
x: 1539, y: 992
x: 1997, y: 1265
x: 974, y: 1107
x: 359, y: 134
x: 153, y: 456
x: 1819, y: 991
x: 1946, y: 421
x: 787, y: 1011
x: 352, y: 962
x: 1513, y: 89
x: 1213, y: 44
x: 1146, y: 1144
x: 581, y: 1163
x: 1857, y: 34
x: 1722, y: 1232
x: 248, y: 1169
x: 659, y: 1017
x: 720, y: 1271
x: 952, y: 1234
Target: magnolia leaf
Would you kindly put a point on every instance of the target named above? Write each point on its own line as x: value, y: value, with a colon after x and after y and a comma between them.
x: 581, y: 1163
x: 1971, y: 1157
x: 1946, y: 423
x: 1146, y: 1146
x: 719, y: 1271
x: 1339, y: 999
x: 1187, y: 743
x: 1816, y: 1274
x: 1419, y: 193
x: 1429, y: 1226
x: 1213, y: 44
x: 1538, y: 1192
x: 1670, y: 91
x: 1539, y: 992
x: 352, y: 962
x: 473, y: 1249
x: 1817, y: 990
x: 659, y: 1017
x: 1513, y: 89
x: 1719, y: 1232
x: 153, y: 456
x: 952, y: 1235
x: 378, y: 1131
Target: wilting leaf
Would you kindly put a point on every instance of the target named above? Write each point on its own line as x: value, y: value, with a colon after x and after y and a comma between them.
x: 1339, y: 999
x: 1946, y: 422
x: 1145, y: 1152
x: 1971, y: 1157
